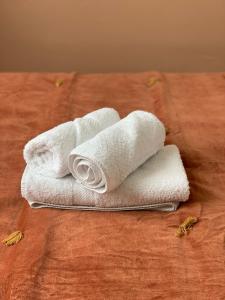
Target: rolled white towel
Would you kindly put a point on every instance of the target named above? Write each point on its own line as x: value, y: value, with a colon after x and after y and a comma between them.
x: 160, y: 184
x: 47, y: 154
x: 102, y: 163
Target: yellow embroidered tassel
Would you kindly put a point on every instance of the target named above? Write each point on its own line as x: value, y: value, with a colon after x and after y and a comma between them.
x: 152, y: 81
x: 13, y: 238
x: 185, y: 227
x: 59, y: 82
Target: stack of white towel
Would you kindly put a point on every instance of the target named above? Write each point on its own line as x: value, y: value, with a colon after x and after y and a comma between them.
x: 100, y: 162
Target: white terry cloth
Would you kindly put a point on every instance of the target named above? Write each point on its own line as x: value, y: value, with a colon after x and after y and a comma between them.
x: 47, y: 154
x: 160, y: 183
x: 102, y: 163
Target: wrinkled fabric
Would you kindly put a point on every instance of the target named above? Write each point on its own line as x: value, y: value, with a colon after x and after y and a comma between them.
x: 115, y: 255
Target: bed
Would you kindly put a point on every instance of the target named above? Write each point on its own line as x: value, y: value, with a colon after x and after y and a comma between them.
x: 115, y: 255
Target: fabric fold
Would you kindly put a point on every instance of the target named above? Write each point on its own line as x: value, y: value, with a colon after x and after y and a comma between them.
x: 102, y: 163
x: 159, y: 184
x: 47, y: 154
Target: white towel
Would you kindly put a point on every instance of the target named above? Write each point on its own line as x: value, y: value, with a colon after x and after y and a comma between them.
x: 160, y: 183
x: 47, y: 154
x: 102, y: 163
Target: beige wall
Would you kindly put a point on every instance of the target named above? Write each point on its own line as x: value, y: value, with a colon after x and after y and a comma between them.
x: 112, y: 35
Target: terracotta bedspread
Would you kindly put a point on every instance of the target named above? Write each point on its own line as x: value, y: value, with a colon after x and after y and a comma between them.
x: 115, y: 255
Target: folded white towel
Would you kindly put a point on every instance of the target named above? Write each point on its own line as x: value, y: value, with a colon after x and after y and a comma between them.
x: 102, y: 163
x: 47, y: 154
x: 160, y: 183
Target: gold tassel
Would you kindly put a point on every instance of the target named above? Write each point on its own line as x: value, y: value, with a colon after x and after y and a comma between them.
x: 186, y: 226
x: 152, y: 81
x: 59, y: 82
x: 13, y: 238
